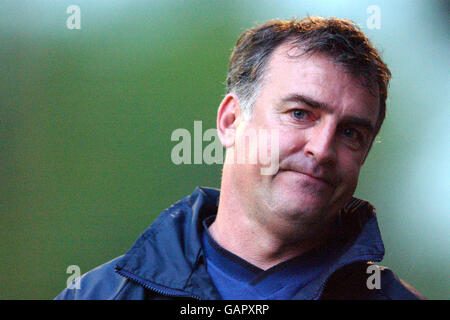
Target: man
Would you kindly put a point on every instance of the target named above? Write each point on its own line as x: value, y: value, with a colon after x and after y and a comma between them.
x: 317, y: 88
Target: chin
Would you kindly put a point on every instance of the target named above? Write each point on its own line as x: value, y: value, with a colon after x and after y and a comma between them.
x: 303, y: 206
x: 305, y: 196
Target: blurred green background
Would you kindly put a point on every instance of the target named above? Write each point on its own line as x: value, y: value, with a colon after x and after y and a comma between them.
x: 86, y: 118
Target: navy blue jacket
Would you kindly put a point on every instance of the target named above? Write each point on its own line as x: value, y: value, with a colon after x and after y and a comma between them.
x: 167, y: 261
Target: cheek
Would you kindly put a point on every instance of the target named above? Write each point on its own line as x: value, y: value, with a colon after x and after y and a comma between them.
x: 349, y: 172
x: 273, y: 144
x: 291, y: 141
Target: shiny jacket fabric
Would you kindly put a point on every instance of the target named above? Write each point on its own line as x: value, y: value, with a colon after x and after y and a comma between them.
x: 167, y: 261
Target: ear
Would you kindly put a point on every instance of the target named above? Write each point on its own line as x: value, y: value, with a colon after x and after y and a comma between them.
x: 228, y: 118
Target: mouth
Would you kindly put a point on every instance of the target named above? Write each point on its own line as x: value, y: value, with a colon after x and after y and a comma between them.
x: 323, y: 179
x: 320, y: 179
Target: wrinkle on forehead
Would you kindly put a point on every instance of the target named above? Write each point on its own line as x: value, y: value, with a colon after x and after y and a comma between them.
x: 315, y: 75
x: 290, y: 50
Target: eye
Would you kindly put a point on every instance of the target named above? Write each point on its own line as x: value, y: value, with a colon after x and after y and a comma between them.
x: 300, y: 114
x: 351, y: 133
x: 353, y: 137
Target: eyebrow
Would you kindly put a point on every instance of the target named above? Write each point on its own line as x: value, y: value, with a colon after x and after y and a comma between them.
x: 314, y: 104
x: 308, y: 101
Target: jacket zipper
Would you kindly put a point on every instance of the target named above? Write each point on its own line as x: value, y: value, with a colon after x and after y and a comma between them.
x: 155, y: 288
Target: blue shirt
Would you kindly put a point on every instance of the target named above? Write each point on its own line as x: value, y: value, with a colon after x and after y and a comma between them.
x: 237, y: 279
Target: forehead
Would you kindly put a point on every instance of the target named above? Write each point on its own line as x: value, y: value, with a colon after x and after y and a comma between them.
x: 316, y: 76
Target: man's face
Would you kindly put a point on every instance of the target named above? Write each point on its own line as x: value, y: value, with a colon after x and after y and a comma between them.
x: 325, y: 120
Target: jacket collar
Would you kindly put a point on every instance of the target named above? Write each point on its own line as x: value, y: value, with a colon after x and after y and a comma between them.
x: 169, y: 255
x: 358, y: 239
x: 169, y: 251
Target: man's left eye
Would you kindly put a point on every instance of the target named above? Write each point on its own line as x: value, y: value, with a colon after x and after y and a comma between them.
x: 352, y: 134
x: 299, y: 114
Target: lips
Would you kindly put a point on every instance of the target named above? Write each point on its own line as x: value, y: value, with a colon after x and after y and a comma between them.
x: 322, y: 178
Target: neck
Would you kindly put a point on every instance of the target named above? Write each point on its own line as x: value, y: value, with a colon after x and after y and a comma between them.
x: 250, y: 244
x: 236, y: 230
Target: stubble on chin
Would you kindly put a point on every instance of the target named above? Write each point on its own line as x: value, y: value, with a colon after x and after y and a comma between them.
x: 308, y: 216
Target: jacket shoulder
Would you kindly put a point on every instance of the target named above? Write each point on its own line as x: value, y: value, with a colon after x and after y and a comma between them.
x: 395, y: 288
x: 101, y: 283
x: 367, y: 281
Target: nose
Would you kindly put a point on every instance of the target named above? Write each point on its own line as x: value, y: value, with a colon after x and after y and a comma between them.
x: 321, y: 144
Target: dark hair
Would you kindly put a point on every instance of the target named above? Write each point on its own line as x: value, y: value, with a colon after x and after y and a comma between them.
x: 339, y: 39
